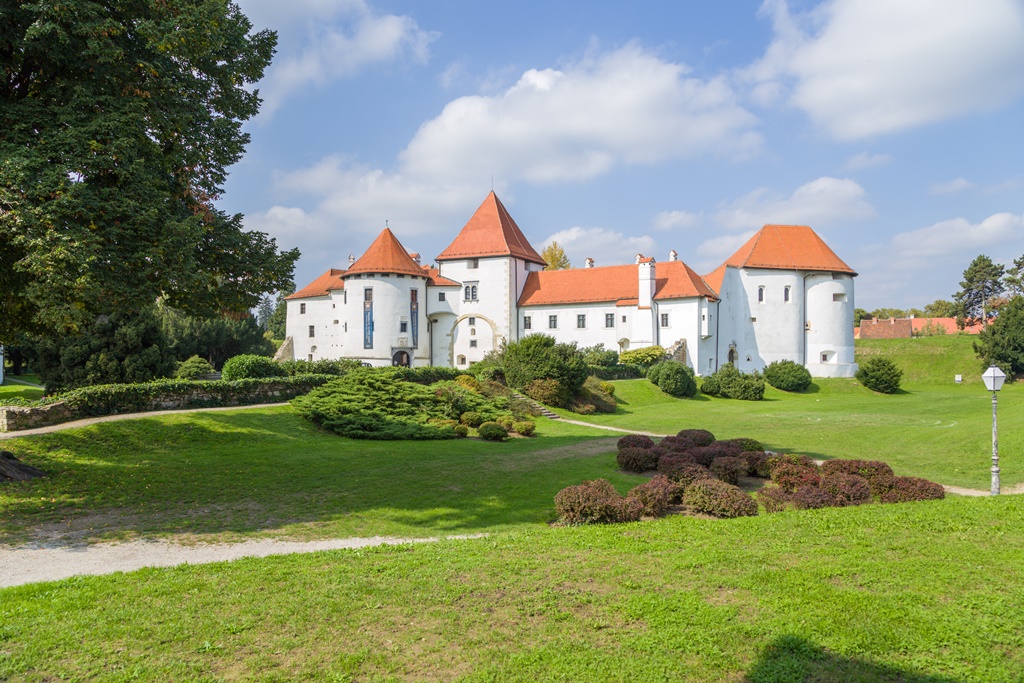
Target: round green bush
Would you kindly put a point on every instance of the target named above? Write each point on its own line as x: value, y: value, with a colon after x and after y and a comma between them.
x: 492, y: 431
x: 654, y: 372
x: 461, y: 430
x: 506, y: 421
x: 879, y: 374
x: 718, y: 499
x: 526, y: 427
x: 647, y: 356
x: 248, y: 366
x: 677, y: 379
x: 787, y: 375
x: 193, y: 368
x: 471, y: 418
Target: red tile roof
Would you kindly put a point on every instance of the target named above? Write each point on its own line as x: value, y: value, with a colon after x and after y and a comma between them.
x: 321, y: 286
x: 386, y: 255
x: 435, y: 278
x: 788, y: 247
x: 618, y: 284
x: 948, y: 324
x: 491, y: 232
x: 714, y: 278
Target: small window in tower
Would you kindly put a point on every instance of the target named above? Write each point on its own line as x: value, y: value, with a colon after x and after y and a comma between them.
x: 785, y: 294
x: 401, y: 276
x: 312, y: 330
x: 623, y: 318
x: 344, y: 297
x: 527, y: 322
x: 824, y: 358
x: 471, y: 291
x: 472, y: 343
x: 581, y: 321
x: 368, y: 294
x: 609, y: 320
x: 403, y: 326
x: 462, y: 360
x: 838, y: 297
x: 472, y: 332
x: 760, y: 295
x: 440, y: 296
x: 471, y: 320
x: 302, y: 309
x: 414, y: 295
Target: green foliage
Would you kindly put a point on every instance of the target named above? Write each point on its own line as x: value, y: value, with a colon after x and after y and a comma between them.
x: 118, y: 122
x: 471, y: 418
x: 729, y: 382
x: 524, y: 427
x: 461, y: 431
x: 983, y: 281
x: 676, y: 379
x: 538, y: 357
x: 599, y: 356
x: 596, y: 393
x: 193, y: 368
x: 787, y: 375
x: 248, y: 366
x: 115, y: 349
x: 336, y: 367
x: 860, y: 314
x: 1002, y: 342
x: 887, y: 313
x: 879, y: 374
x: 619, y: 371
x: 492, y: 431
x: 216, y: 339
x: 554, y: 257
x: 940, y: 308
x: 645, y: 357
x: 550, y: 392
x: 276, y: 322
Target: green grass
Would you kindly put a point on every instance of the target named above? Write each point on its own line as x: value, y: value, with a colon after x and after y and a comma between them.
x: 266, y: 472
x: 918, y: 593
x: 12, y: 390
x: 934, y: 361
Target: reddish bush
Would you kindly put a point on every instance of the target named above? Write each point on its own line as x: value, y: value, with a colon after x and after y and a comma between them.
x: 656, y: 495
x: 811, y: 498
x: 909, y: 489
x: 677, y: 444
x: 595, y: 502
x: 682, y: 470
x: 757, y: 464
x: 774, y: 499
x: 790, y: 477
x: 729, y: 469
x: 777, y: 459
x: 699, y: 437
x: 847, y: 489
x: 703, y: 455
x: 713, y: 497
x: 635, y: 441
x: 637, y: 459
x: 878, y: 474
x: 743, y: 444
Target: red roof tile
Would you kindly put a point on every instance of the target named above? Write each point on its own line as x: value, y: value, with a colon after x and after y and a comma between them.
x: 714, y: 278
x: 676, y: 280
x: 948, y: 324
x: 386, y: 255
x: 435, y: 278
x: 619, y: 284
x: 491, y: 232
x: 321, y: 286
x: 788, y: 247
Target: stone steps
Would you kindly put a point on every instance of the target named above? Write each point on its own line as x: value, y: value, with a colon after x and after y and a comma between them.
x: 539, y: 406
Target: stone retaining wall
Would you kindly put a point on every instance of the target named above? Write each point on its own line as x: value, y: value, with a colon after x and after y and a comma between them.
x: 17, y: 418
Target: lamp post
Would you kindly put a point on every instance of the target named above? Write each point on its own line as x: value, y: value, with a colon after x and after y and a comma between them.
x: 994, y: 378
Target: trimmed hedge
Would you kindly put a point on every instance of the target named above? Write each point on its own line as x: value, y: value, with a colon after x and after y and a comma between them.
x: 249, y: 366
x: 757, y: 464
x: 910, y: 489
x: 774, y: 499
x: 812, y: 498
x: 656, y: 495
x: 699, y: 437
x: 635, y: 441
x: 620, y: 371
x: 492, y: 431
x: 790, y: 477
x: 716, y: 498
x: 790, y: 459
x: 847, y: 489
x: 193, y: 368
x: 786, y: 375
x: 525, y: 427
x: 705, y: 455
x: 682, y: 470
x: 595, y: 502
x: 320, y: 367
x: 877, y: 473
x: 744, y: 444
x: 645, y: 357
x: 637, y: 460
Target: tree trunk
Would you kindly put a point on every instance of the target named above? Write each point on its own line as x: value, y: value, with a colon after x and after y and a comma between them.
x: 15, y: 470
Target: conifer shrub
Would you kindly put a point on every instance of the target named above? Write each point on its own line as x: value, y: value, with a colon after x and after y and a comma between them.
x: 637, y: 460
x: 676, y: 379
x: 682, y: 470
x: 656, y: 495
x: 193, y: 368
x: 909, y: 489
x: 812, y: 498
x: 538, y: 357
x: 789, y: 477
x: 728, y: 468
x: 716, y: 498
x: 635, y: 441
x: 524, y: 427
x: 550, y: 392
x: 506, y: 421
x: 492, y: 431
x: 595, y: 502
x: 774, y: 499
x: 654, y: 373
x: 757, y: 464
x: 879, y: 374
x: 461, y: 431
x: 249, y: 366
x: 847, y: 489
x: 698, y: 437
x: 744, y: 444
x: 787, y: 375
x: 877, y: 473
x: 471, y: 418
x: 468, y: 382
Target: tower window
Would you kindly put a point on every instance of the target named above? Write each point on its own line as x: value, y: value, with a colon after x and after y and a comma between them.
x: 471, y: 320
x: 527, y: 322
x: 403, y: 326
x: 838, y: 297
x: 440, y: 296
x: 471, y: 291
x: 474, y: 263
x: 664, y: 319
x: 302, y: 309
x: 785, y: 294
x: 609, y: 320
x: 472, y: 343
x: 312, y: 330
x: 760, y: 295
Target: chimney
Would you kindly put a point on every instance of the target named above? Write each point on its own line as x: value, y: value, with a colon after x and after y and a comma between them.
x: 589, y: 263
x: 673, y: 256
x: 351, y: 260
x: 415, y: 257
x: 639, y: 257
x: 646, y: 276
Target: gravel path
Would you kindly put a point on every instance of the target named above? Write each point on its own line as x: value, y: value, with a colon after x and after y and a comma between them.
x: 29, y: 565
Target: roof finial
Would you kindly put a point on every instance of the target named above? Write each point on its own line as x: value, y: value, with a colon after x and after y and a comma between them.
x: 386, y: 223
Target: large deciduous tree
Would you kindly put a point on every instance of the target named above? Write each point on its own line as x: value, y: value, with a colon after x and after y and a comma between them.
x: 118, y: 120
x: 983, y: 281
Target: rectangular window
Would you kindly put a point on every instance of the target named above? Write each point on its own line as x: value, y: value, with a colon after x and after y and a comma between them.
x: 552, y: 322
x: 581, y: 321
x: 471, y: 320
x: 838, y: 297
x: 471, y: 291
x: 623, y: 318
x: 440, y: 296
x: 664, y: 319
x: 302, y: 309
x: 472, y: 343
x: 368, y: 294
x: 414, y: 295
x: 312, y: 330
x: 785, y: 295
x: 344, y: 297
x: 527, y: 323
x: 474, y: 263
x: 609, y: 320
x: 403, y: 326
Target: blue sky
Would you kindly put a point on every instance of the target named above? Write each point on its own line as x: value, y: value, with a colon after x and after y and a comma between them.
x: 894, y: 128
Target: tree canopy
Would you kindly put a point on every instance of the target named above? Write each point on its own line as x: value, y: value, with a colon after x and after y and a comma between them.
x: 1002, y: 342
x: 555, y: 257
x: 983, y: 281
x: 118, y: 120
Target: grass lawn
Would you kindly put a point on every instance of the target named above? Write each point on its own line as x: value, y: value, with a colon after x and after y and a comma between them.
x: 12, y: 390
x: 933, y: 428
x: 918, y: 593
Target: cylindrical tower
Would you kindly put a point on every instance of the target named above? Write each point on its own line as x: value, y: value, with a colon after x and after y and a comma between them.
x: 828, y: 329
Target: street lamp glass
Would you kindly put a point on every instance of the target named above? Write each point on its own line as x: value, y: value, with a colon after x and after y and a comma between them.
x: 994, y: 378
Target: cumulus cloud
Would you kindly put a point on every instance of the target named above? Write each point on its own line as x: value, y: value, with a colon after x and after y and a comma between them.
x: 676, y: 220
x: 958, y: 236
x: 861, y: 68
x: 952, y: 186
x: 864, y: 160
x: 820, y: 202
x: 606, y: 247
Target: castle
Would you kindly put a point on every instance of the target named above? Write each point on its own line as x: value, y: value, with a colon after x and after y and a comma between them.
x: 784, y: 295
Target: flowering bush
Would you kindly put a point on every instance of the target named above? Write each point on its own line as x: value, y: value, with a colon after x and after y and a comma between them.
x: 728, y: 468
x: 635, y: 441
x: 595, y: 502
x: 637, y: 459
x: 699, y: 437
x: 656, y: 495
x: 716, y: 498
x: 909, y: 489
x: 847, y: 489
x: 791, y: 477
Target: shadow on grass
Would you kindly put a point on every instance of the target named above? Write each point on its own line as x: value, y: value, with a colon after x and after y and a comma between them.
x: 791, y: 659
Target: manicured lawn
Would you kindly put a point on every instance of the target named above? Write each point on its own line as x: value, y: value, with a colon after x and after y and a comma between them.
x: 267, y: 472
x: 12, y: 390
x: 919, y: 593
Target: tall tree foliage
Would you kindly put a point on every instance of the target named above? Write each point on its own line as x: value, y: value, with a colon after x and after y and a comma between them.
x: 555, y: 257
x: 1014, y: 279
x: 216, y: 339
x: 1002, y: 342
x: 118, y: 120
x: 983, y: 281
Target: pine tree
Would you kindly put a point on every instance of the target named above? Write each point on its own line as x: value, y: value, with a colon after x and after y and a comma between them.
x: 983, y: 281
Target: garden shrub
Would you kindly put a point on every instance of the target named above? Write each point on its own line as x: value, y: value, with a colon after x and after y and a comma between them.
x: 582, y: 408
x: 656, y: 495
x: 790, y: 459
x: 492, y: 431
x: 791, y: 477
x: 909, y: 489
x: 699, y: 437
x: 812, y: 498
x: 757, y: 464
x: 744, y: 444
x: 539, y: 357
x: 635, y: 441
x: 716, y: 498
x: 879, y: 374
x: 608, y: 388
x: 729, y: 382
x: 524, y: 427
x: 595, y: 502
x: 654, y: 373
x: 550, y: 392
x: 637, y: 460
x: 710, y: 385
x: 248, y: 366
x: 676, y: 379
x: 787, y: 375
x: 471, y: 418
x: 847, y: 489
x: 461, y: 430
x: 728, y: 468
x: 337, y: 367
x: 774, y: 499
x: 619, y: 371
x: 645, y: 357
x: 506, y: 421
x: 193, y: 368
x: 704, y: 455
x: 424, y: 374
x: 594, y: 393
x: 878, y: 474
x: 469, y: 383
x: 676, y: 444
x: 600, y: 356
x: 682, y: 470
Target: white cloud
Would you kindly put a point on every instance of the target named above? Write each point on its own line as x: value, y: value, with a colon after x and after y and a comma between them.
x: 676, y: 220
x: 952, y: 186
x: 957, y: 237
x: 861, y: 68
x: 820, y: 202
x: 865, y: 160
x: 606, y: 247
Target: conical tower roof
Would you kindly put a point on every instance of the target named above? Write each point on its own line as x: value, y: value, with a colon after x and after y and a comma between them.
x: 491, y: 232
x: 386, y: 255
x: 788, y: 247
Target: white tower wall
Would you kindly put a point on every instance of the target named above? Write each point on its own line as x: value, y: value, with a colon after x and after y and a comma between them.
x: 829, y: 325
x: 392, y: 296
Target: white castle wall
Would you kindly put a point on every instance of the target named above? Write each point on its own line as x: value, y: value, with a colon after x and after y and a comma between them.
x: 391, y: 307
x: 320, y: 314
x: 830, y: 304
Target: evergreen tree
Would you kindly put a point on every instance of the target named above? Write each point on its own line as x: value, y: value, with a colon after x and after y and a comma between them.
x: 555, y: 257
x: 1002, y: 342
x: 215, y: 339
x: 1014, y: 280
x: 983, y: 281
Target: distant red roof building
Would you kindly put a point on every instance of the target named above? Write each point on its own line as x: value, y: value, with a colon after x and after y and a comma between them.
x: 491, y: 232
x: 905, y: 328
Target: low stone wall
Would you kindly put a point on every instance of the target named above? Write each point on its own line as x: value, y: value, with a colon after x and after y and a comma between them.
x: 18, y: 418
